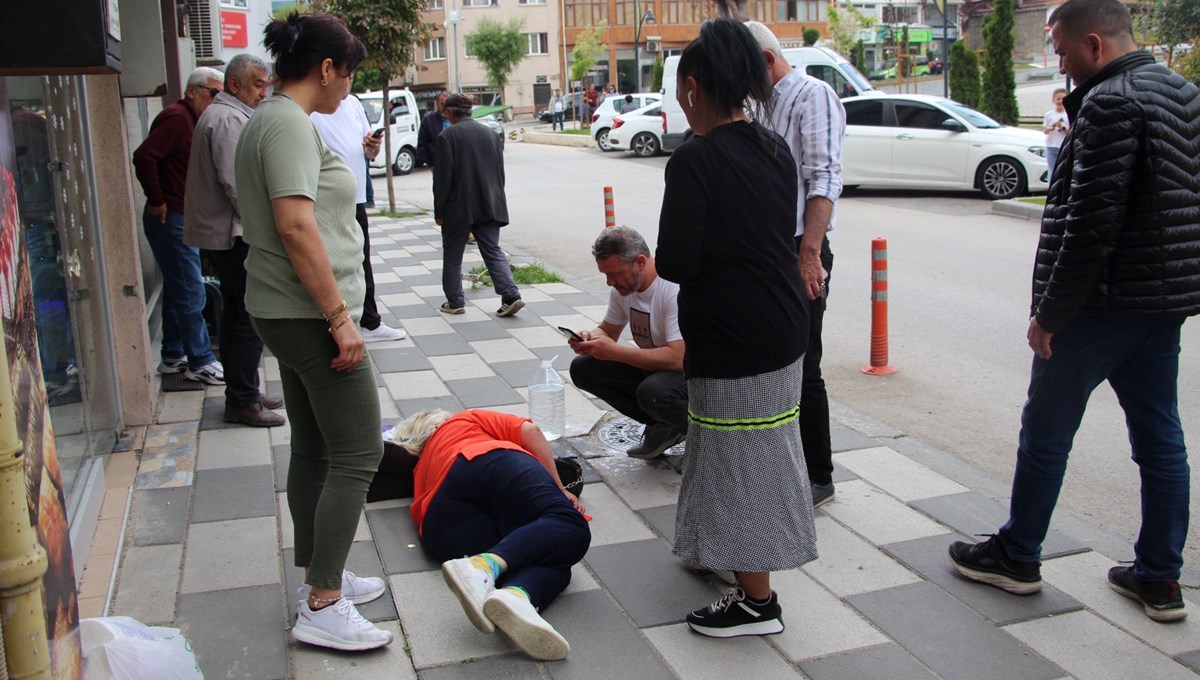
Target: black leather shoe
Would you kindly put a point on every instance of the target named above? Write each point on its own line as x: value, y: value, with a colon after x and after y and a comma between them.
x: 272, y: 403
x: 254, y: 415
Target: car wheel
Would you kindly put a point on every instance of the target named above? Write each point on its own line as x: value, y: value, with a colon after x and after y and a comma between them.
x: 644, y: 144
x: 1001, y: 178
x: 602, y: 140
x: 406, y: 160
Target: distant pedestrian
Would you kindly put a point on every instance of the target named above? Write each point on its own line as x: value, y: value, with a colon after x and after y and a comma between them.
x: 726, y: 237
x: 468, y: 199
x: 432, y: 125
x: 591, y: 100
x: 809, y: 116
x: 1117, y: 273
x: 213, y: 223
x: 557, y: 107
x: 1055, y: 126
x: 304, y: 292
x: 161, y: 162
x: 628, y: 105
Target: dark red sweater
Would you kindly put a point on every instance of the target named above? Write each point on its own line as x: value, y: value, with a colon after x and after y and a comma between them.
x: 161, y: 161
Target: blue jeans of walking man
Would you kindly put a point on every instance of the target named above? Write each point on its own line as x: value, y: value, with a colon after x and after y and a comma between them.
x: 183, y: 329
x: 1139, y: 357
x: 487, y: 237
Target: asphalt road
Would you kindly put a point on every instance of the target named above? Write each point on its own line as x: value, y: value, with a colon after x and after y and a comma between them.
x: 959, y: 282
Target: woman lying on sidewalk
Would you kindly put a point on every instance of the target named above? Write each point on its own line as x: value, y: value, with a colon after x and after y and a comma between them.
x: 486, y: 486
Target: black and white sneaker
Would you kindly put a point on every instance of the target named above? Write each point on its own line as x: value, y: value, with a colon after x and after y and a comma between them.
x: 1162, y: 600
x: 736, y: 615
x: 989, y: 563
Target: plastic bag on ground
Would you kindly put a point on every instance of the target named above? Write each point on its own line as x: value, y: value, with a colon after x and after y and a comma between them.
x: 123, y: 648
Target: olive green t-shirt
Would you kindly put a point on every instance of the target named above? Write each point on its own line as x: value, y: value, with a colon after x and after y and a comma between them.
x: 280, y: 154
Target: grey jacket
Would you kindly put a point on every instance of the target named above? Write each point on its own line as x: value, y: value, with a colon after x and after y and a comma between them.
x: 210, y: 212
x: 468, y: 176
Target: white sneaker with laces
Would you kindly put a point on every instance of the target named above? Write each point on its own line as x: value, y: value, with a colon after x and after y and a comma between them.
x: 517, y: 617
x: 171, y: 366
x: 471, y: 585
x: 362, y: 589
x: 382, y: 333
x: 211, y: 374
x: 338, y: 626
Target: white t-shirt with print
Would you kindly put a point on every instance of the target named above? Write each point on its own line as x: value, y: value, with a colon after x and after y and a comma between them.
x: 1055, y: 139
x: 652, y: 314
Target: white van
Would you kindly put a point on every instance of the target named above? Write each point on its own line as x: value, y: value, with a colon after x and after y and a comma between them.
x: 406, y: 120
x: 818, y: 62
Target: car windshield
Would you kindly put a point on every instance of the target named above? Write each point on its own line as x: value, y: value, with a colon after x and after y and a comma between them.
x: 371, y: 108
x: 855, y: 75
x: 973, y: 117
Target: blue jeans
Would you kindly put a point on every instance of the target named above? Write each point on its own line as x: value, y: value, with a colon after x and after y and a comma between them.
x: 505, y: 502
x: 487, y: 237
x: 183, y: 328
x: 1140, y: 360
x: 1051, y: 160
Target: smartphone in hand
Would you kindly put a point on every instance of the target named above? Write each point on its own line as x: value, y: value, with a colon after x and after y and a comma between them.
x: 377, y: 134
x: 570, y: 334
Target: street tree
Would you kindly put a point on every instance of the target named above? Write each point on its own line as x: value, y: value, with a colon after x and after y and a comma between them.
x: 499, y: 47
x: 811, y: 36
x: 390, y: 30
x: 845, y: 22
x: 964, y: 75
x: 1170, y: 24
x: 587, y: 49
x: 656, y: 83
x: 904, y: 59
x: 999, y: 96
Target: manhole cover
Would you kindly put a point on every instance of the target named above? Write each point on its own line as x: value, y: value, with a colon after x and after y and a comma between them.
x: 622, y: 433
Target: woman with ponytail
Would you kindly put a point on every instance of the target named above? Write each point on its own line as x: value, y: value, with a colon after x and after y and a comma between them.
x: 297, y: 200
x: 725, y: 236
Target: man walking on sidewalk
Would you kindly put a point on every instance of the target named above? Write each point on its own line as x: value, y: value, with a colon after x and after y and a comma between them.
x: 810, y: 117
x: 1116, y: 275
x: 212, y: 222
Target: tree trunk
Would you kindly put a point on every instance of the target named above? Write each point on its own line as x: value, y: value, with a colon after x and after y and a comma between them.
x: 387, y: 140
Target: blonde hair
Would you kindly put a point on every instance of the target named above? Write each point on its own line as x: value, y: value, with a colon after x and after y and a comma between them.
x: 415, y: 430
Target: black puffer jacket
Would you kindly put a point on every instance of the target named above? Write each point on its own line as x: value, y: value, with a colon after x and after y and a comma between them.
x: 1121, y: 230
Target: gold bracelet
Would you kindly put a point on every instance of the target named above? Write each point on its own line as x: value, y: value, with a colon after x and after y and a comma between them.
x: 332, y: 315
x: 333, y: 328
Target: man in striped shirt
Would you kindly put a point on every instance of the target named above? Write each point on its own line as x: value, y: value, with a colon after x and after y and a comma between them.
x: 809, y: 116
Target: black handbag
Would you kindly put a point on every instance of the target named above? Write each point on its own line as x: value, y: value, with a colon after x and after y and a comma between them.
x: 571, y: 474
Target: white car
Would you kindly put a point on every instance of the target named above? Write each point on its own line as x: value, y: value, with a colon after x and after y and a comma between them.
x: 406, y: 120
x: 602, y: 119
x: 639, y: 131
x: 926, y: 142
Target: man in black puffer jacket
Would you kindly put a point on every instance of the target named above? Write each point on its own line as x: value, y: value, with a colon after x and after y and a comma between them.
x: 1117, y: 272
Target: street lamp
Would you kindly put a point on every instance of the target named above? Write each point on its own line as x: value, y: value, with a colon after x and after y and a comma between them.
x: 637, y: 41
x: 454, y: 20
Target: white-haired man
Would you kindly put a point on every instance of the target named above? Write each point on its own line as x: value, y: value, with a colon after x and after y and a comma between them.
x: 808, y: 114
x: 161, y: 163
x: 213, y: 224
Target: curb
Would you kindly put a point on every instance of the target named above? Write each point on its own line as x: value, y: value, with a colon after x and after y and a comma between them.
x: 556, y: 139
x: 1018, y: 209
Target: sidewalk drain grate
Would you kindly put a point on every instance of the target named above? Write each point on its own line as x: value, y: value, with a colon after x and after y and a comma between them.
x: 622, y: 433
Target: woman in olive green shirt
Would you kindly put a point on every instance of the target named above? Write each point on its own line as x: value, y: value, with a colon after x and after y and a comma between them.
x: 296, y: 198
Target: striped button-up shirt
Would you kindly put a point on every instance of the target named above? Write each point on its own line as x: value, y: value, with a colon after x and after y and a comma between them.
x: 810, y: 117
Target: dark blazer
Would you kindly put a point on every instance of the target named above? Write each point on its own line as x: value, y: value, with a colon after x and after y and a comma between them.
x: 431, y: 127
x: 468, y: 176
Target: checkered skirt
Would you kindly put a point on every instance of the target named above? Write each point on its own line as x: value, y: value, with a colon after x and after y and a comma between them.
x: 745, y: 503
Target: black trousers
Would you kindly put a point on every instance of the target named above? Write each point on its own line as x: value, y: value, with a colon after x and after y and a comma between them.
x: 240, y: 347
x: 370, y: 316
x: 646, y: 396
x: 814, y: 400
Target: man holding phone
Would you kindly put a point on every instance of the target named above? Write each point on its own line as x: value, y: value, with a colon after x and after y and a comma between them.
x: 645, y: 382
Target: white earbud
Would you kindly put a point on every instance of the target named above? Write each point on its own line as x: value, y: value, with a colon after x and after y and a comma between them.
x: 691, y: 102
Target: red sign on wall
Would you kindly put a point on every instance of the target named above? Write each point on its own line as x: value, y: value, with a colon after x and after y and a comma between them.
x: 233, y: 29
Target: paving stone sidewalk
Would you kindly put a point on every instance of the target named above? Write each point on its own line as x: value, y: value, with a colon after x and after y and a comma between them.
x: 207, y: 542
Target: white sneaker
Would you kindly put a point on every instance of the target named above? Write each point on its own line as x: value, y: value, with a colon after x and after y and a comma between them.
x: 516, y: 616
x: 471, y: 585
x: 171, y: 366
x: 212, y: 374
x: 338, y: 626
x: 360, y: 589
x: 383, y: 333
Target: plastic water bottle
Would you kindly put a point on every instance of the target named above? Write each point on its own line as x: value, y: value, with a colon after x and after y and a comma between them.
x: 548, y: 400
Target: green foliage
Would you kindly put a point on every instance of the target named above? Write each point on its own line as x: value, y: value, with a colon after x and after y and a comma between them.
x: 858, y: 56
x: 1188, y: 65
x: 389, y: 29
x: 903, y: 59
x: 999, y: 96
x: 534, y: 272
x: 844, y: 23
x: 587, y: 48
x: 964, y: 75
x: 499, y: 47
x: 811, y: 36
x: 1174, y: 22
x: 367, y: 80
x: 656, y: 84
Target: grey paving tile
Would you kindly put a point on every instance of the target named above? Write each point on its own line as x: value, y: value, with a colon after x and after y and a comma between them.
x: 649, y: 583
x: 517, y: 373
x: 237, y: 633
x: 868, y: 663
x: 213, y: 415
x: 1190, y: 659
x: 399, y: 359
x: 973, y: 513
x: 363, y: 561
x: 437, y: 631
x: 394, y: 532
x: 234, y: 493
x: 234, y: 554
x: 149, y: 583
x: 442, y: 344
x: 580, y: 299
x: 402, y: 312
x: 621, y: 652
x: 513, y: 667
x: 422, y: 280
x: 550, y: 308
x: 526, y: 318
x: 481, y: 330
x: 949, y: 637
x: 407, y: 407
x: 662, y: 518
x: 841, y: 474
x: 390, y: 288
x: 481, y: 392
x: 927, y: 556
x: 562, y: 357
x: 159, y: 516
x: 283, y: 458
x: 842, y: 438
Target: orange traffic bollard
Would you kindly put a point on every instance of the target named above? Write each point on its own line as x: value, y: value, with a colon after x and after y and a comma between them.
x: 879, y: 311
x: 610, y: 212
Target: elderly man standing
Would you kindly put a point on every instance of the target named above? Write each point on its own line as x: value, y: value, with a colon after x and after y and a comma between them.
x: 807, y: 113
x: 1117, y: 272
x: 213, y: 224
x: 432, y: 125
x: 161, y: 163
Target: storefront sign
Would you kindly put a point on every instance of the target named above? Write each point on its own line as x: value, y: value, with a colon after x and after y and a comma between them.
x: 233, y: 29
